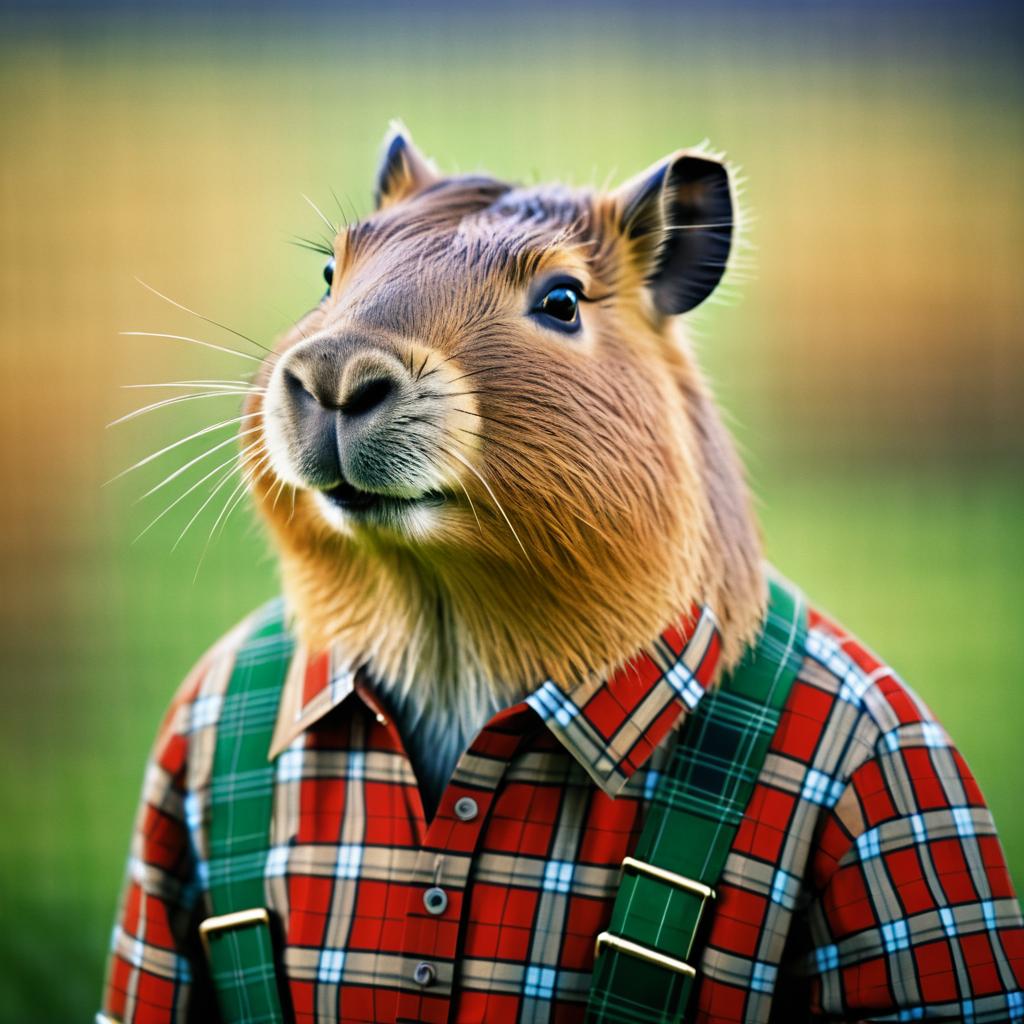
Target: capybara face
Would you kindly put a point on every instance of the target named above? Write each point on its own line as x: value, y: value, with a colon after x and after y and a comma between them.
x: 488, y: 370
x: 493, y: 383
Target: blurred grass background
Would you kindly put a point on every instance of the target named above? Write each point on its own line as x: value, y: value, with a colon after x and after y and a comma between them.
x: 871, y: 369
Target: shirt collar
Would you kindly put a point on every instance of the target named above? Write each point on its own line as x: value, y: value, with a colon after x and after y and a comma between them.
x: 611, y: 726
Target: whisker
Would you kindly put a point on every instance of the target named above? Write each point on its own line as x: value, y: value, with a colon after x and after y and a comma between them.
x: 220, y: 483
x: 164, y: 402
x: 234, y: 385
x: 312, y: 245
x: 232, y: 500
x: 700, y: 227
x: 436, y: 367
x: 280, y: 488
x: 185, y: 494
x: 320, y: 213
x: 341, y: 212
x: 191, y: 437
x: 195, y: 341
x: 206, y: 319
x: 446, y: 451
x: 199, y: 458
x: 497, y: 504
x: 248, y: 477
x: 481, y: 369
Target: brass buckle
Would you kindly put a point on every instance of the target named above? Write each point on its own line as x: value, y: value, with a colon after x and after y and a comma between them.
x: 652, y: 956
x: 705, y: 892
x: 641, y: 867
x: 227, y: 922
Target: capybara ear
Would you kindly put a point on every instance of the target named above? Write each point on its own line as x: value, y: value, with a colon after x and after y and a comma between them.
x: 678, y: 216
x: 404, y: 170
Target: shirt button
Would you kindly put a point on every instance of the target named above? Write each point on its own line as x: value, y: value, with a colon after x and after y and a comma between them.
x: 466, y: 808
x: 424, y: 974
x: 435, y: 899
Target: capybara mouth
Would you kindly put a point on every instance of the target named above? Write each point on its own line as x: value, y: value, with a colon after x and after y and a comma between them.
x: 368, y: 504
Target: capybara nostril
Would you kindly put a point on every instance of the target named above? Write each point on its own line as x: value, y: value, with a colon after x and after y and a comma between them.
x: 372, y: 382
x: 297, y: 391
x: 368, y: 395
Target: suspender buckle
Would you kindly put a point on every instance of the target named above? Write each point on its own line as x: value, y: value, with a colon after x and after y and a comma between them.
x: 651, y: 956
x: 641, y: 867
x: 228, y: 922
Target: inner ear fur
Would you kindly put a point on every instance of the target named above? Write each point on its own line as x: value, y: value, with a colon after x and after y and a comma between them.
x: 678, y: 216
x: 403, y: 170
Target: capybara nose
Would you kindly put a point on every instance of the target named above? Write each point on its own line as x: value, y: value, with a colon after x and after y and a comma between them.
x: 341, y: 399
x: 375, y: 386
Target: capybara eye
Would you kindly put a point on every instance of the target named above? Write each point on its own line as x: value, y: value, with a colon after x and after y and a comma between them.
x: 329, y: 271
x: 561, y: 306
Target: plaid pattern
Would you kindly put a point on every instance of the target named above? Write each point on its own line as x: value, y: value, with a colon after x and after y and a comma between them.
x: 865, y: 880
x: 241, y: 959
x: 697, y: 806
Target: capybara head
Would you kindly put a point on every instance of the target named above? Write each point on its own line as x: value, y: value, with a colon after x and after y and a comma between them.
x: 487, y: 456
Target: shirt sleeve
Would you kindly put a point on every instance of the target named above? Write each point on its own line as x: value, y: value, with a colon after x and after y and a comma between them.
x: 915, y: 916
x: 155, y: 973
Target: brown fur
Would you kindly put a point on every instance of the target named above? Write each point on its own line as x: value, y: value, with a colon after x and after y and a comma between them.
x: 624, y: 499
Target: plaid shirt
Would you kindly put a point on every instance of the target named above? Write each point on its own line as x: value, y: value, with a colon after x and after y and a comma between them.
x: 866, y: 880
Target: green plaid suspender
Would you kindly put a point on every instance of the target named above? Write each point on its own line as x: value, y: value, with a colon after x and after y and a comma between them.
x: 238, y: 938
x: 643, y: 971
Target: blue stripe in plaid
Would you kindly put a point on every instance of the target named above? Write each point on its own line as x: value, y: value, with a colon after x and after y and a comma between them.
x: 651, y: 783
x: 204, y: 712
x: 558, y: 875
x: 540, y: 982
x: 328, y: 970
x: 917, y: 827
x: 988, y: 913
x: 763, y: 977
x: 868, y: 844
x: 826, y: 650
x: 821, y: 789
x: 827, y: 958
x: 682, y: 681
x: 895, y: 936
x: 550, y: 703
x: 277, y: 862
x: 350, y: 857
x: 289, y: 764
x: 963, y: 821
x: 355, y: 767
x: 1015, y: 1004
x: 341, y: 685
x: 785, y: 888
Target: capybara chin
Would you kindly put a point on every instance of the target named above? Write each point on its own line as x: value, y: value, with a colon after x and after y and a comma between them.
x: 488, y: 456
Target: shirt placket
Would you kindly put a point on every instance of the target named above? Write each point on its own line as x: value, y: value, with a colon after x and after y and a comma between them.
x: 437, y: 906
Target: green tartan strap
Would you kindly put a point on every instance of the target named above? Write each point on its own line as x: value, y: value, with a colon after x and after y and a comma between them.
x: 643, y: 971
x: 238, y: 938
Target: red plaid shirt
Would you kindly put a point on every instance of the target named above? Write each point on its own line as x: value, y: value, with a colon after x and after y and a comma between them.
x: 865, y: 882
